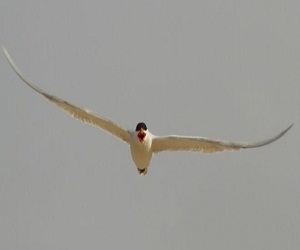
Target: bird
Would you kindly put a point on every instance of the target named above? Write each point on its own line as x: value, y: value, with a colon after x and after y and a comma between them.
x: 143, y: 144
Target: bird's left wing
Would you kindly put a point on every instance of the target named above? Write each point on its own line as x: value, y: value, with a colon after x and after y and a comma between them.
x: 78, y: 113
x: 205, y: 145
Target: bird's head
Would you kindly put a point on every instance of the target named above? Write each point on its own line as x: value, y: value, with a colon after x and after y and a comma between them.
x: 141, y: 130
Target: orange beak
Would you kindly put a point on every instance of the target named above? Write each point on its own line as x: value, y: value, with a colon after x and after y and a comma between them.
x: 141, y: 135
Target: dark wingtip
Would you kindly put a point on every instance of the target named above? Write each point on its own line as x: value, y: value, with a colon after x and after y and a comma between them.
x: 287, y: 129
x: 269, y: 141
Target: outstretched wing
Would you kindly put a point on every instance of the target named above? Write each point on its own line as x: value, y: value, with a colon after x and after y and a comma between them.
x: 205, y: 145
x: 78, y: 113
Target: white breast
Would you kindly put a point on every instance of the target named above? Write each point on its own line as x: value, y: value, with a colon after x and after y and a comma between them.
x: 141, y: 153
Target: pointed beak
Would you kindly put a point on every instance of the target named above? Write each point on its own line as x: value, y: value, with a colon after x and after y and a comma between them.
x: 141, y: 135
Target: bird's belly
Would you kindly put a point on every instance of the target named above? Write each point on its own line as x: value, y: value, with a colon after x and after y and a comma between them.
x: 141, y: 157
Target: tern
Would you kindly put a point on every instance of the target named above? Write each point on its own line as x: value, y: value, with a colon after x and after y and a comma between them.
x: 143, y: 144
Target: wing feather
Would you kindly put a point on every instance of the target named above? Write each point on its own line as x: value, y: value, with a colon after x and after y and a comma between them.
x: 78, y: 113
x: 205, y: 145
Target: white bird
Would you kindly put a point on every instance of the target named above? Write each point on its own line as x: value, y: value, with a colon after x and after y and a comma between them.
x: 142, y: 143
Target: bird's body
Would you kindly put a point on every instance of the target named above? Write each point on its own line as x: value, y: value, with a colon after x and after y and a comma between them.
x: 141, y: 151
x: 142, y: 143
x: 141, y: 156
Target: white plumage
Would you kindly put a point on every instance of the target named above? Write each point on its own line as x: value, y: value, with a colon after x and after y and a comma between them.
x: 142, y: 143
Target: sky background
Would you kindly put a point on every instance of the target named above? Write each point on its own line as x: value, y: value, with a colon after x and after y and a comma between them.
x: 221, y: 69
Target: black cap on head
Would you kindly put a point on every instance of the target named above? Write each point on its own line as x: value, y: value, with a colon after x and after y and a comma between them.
x: 140, y: 126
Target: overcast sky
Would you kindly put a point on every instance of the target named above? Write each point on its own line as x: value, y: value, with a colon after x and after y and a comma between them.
x: 221, y: 69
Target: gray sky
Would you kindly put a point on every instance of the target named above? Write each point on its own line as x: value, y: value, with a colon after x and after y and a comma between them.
x: 221, y: 69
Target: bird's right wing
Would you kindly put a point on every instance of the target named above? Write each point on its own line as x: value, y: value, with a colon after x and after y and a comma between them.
x: 205, y: 145
x: 78, y: 113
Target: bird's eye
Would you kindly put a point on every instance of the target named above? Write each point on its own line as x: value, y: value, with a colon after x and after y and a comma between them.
x: 144, y: 126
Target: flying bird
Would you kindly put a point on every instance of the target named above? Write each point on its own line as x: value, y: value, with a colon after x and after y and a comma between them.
x: 143, y: 144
